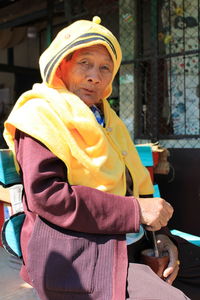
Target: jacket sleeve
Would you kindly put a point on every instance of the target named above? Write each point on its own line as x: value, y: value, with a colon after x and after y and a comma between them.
x: 77, y: 208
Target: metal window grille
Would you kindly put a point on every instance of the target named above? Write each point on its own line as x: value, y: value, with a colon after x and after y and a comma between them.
x: 167, y: 69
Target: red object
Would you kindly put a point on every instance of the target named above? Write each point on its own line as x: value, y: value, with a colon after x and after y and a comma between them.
x: 155, y: 158
x: 150, y: 169
x: 155, y: 162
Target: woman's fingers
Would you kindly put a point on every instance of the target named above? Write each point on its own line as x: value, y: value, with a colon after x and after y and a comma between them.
x: 171, y: 273
x: 165, y: 244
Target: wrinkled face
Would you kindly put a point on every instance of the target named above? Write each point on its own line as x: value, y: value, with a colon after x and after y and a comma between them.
x: 88, y: 73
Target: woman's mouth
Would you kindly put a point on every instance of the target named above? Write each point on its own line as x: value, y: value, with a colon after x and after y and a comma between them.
x: 88, y: 91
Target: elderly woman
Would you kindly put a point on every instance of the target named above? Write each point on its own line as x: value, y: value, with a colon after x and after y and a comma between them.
x: 84, y: 184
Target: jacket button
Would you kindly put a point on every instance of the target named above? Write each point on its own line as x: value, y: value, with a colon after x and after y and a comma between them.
x: 124, y: 153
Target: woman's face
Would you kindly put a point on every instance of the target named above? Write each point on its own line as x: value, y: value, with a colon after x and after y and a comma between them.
x: 88, y: 73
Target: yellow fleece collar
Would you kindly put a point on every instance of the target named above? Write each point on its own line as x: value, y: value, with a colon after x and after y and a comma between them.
x: 94, y: 156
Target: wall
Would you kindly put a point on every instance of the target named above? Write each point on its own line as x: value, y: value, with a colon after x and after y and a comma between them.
x: 26, y: 54
x: 12, y: 84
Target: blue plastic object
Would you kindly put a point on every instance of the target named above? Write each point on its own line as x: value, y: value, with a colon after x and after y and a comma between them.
x: 187, y: 236
x: 145, y: 154
x: 156, y: 191
x: 134, y: 237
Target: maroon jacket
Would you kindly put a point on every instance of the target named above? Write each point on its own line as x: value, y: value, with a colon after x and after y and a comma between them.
x: 73, y: 237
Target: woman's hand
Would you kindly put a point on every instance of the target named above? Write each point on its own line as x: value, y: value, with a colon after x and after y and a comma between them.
x: 155, y: 213
x: 165, y: 244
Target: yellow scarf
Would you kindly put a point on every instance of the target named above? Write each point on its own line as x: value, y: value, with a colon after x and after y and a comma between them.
x: 94, y: 156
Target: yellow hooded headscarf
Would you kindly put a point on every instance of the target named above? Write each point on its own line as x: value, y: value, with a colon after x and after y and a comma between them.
x: 78, y: 35
x: 94, y: 156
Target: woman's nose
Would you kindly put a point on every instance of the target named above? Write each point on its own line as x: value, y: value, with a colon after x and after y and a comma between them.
x: 94, y: 75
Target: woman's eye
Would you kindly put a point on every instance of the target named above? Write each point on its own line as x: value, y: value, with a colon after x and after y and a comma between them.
x: 84, y: 62
x: 105, y: 68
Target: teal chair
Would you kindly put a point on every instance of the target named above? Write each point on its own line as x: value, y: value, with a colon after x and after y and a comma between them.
x: 146, y: 156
